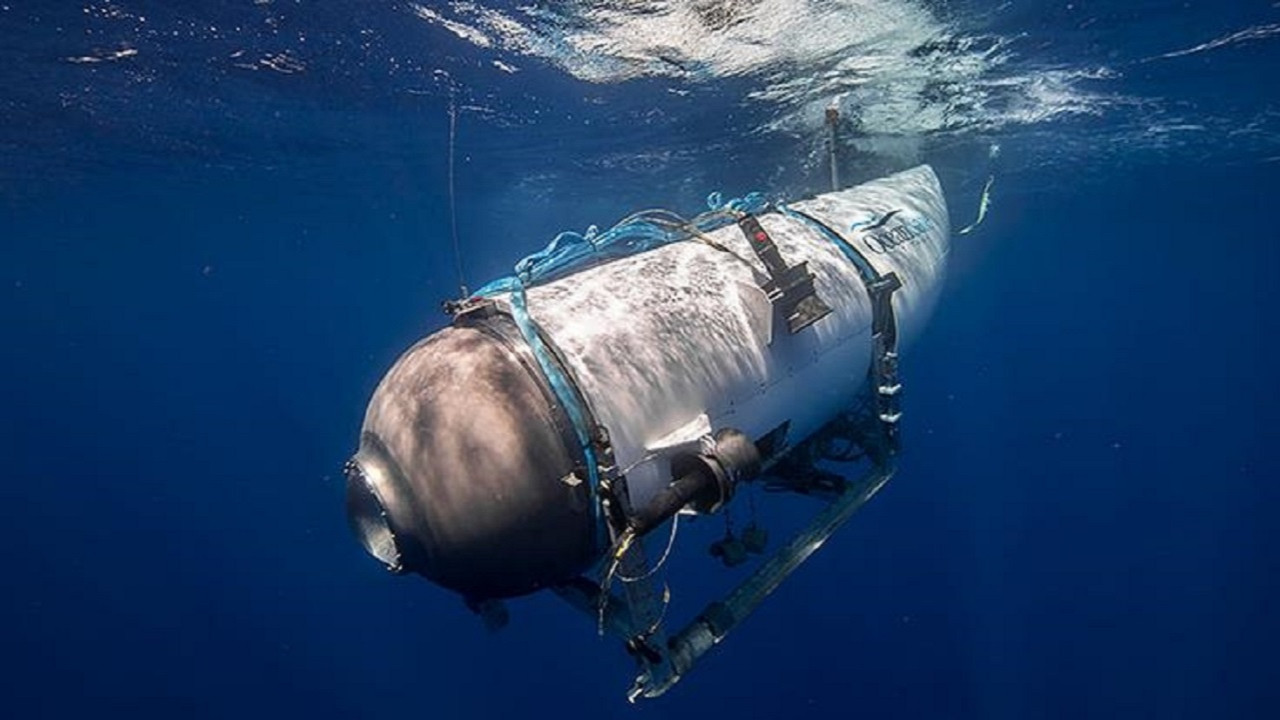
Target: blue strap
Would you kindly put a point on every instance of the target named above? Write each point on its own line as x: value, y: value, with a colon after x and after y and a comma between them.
x: 571, y: 252
x: 561, y: 385
x: 868, y: 273
x: 753, y: 203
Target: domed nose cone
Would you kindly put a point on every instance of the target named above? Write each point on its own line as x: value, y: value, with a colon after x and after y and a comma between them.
x: 466, y: 462
x: 366, y: 512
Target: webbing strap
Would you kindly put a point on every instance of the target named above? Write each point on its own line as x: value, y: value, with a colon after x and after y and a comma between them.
x: 866, y: 271
x: 566, y: 393
x: 789, y: 287
x: 884, y: 325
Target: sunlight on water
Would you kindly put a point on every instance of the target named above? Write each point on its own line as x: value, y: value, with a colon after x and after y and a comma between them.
x: 893, y: 65
x: 905, y: 75
x: 1067, y: 84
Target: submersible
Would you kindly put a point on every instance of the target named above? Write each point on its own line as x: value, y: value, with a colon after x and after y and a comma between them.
x: 618, y: 379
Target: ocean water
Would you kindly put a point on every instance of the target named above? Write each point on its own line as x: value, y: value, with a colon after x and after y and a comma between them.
x: 221, y: 222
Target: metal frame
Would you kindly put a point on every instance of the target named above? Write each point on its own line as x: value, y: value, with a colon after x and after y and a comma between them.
x: 638, y: 615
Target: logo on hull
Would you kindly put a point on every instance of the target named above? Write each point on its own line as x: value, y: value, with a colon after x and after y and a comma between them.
x: 891, y: 231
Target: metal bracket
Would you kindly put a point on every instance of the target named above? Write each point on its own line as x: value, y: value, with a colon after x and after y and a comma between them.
x: 789, y: 287
x: 469, y: 309
x: 720, y: 617
x: 637, y: 616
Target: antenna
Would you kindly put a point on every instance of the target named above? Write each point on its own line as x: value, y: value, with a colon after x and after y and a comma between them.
x: 453, y: 205
x: 833, y: 121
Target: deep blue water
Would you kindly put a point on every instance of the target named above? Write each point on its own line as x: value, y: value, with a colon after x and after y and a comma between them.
x: 222, y: 222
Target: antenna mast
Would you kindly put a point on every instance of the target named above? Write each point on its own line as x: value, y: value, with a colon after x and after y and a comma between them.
x: 453, y: 205
x: 833, y: 120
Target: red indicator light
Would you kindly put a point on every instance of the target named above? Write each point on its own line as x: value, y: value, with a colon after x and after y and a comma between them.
x: 761, y: 237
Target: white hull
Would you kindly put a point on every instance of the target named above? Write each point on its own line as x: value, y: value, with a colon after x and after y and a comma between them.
x: 668, y: 344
